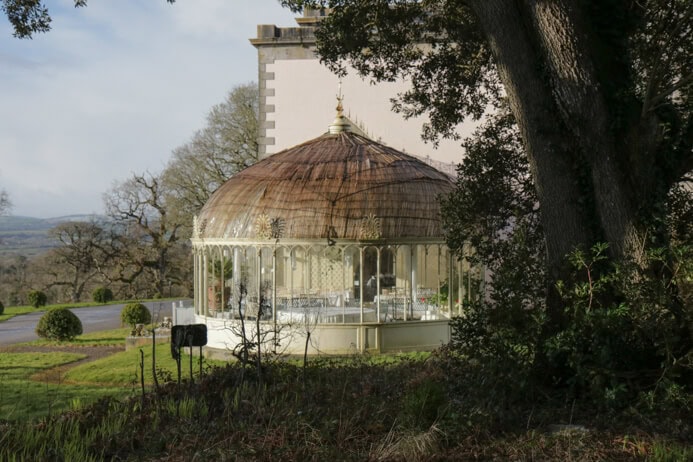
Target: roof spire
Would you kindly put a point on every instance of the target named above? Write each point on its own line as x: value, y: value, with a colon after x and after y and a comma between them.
x: 340, y: 123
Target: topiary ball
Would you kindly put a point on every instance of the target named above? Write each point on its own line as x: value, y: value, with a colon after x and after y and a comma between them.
x: 59, y: 324
x: 37, y: 298
x: 102, y: 295
x: 135, y: 313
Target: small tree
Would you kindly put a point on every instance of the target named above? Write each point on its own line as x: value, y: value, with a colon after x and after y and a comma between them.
x: 135, y: 313
x: 102, y: 295
x: 59, y: 324
x: 37, y: 298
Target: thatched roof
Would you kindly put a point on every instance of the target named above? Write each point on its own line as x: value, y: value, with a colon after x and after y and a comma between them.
x: 342, y: 186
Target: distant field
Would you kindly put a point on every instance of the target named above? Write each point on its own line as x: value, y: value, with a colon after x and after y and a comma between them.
x: 28, y: 242
x: 28, y: 236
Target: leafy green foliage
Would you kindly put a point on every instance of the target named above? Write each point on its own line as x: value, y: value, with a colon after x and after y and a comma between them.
x: 37, y: 298
x: 491, y: 362
x: 492, y: 217
x: 626, y: 335
x: 627, y: 329
x: 135, y: 313
x: 102, y: 295
x: 59, y: 324
x: 27, y: 17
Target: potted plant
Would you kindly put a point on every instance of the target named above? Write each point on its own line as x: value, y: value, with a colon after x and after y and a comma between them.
x: 218, y: 290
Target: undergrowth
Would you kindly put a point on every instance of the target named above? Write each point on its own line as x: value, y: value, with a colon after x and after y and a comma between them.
x: 345, y: 409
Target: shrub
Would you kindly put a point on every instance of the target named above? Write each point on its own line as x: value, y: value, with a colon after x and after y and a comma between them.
x: 2, y: 308
x: 627, y: 326
x: 102, y: 295
x: 59, y: 324
x: 135, y: 313
x: 37, y: 298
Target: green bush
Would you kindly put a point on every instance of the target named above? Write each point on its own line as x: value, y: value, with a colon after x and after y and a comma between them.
x: 59, y: 324
x: 37, y: 298
x: 628, y: 328
x: 135, y: 313
x: 2, y: 308
x: 102, y: 295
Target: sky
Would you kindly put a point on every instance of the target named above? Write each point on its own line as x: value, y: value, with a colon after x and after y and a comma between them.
x: 112, y: 90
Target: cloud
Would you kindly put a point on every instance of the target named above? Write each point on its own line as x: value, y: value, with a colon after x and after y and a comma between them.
x: 112, y: 90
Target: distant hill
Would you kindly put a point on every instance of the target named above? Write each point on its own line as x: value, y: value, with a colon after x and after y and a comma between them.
x: 29, y: 236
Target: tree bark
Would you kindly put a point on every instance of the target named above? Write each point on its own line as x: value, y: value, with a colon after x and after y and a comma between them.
x: 553, y: 161
x: 560, y: 30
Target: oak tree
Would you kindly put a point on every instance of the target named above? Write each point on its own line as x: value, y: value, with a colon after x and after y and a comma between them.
x: 147, y: 224
x: 83, y: 252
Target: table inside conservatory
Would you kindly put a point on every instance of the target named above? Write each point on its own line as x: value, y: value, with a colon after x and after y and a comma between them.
x: 322, y: 314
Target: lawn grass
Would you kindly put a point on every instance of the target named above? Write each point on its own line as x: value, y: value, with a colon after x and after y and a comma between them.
x: 123, y: 369
x: 112, y: 337
x: 22, y: 398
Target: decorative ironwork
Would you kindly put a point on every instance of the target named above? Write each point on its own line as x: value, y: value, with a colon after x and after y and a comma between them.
x: 277, y: 228
x: 269, y: 228
x: 370, y: 227
x: 331, y: 236
x: 263, y: 226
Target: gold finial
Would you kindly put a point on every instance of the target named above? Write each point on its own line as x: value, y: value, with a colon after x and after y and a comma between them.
x: 340, y: 124
x: 340, y: 109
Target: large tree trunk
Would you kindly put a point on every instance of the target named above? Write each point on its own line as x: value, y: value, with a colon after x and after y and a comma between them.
x: 561, y: 31
x: 553, y: 160
x: 545, y: 61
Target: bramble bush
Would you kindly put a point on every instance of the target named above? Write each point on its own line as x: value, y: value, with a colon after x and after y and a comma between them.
x: 59, y: 324
x: 37, y: 298
x: 135, y: 313
x: 102, y: 295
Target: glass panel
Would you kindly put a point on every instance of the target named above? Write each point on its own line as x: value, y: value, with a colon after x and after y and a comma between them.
x: 219, y: 273
x: 249, y: 277
x: 370, y: 274
x: 395, y: 299
x: 298, y: 261
x: 388, y: 280
x: 266, y: 282
x: 332, y: 276
x: 352, y: 282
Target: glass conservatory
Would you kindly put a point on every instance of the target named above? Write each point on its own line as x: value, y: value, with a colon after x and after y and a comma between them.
x: 332, y: 246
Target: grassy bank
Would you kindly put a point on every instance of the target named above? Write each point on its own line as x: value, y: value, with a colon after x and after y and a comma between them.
x: 22, y: 397
x: 38, y: 384
x: 336, y: 409
x: 412, y: 407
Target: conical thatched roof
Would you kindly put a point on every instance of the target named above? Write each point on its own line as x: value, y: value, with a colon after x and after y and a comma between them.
x: 340, y: 186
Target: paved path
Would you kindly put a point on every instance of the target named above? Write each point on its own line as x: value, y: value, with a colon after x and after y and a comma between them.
x: 95, y: 318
